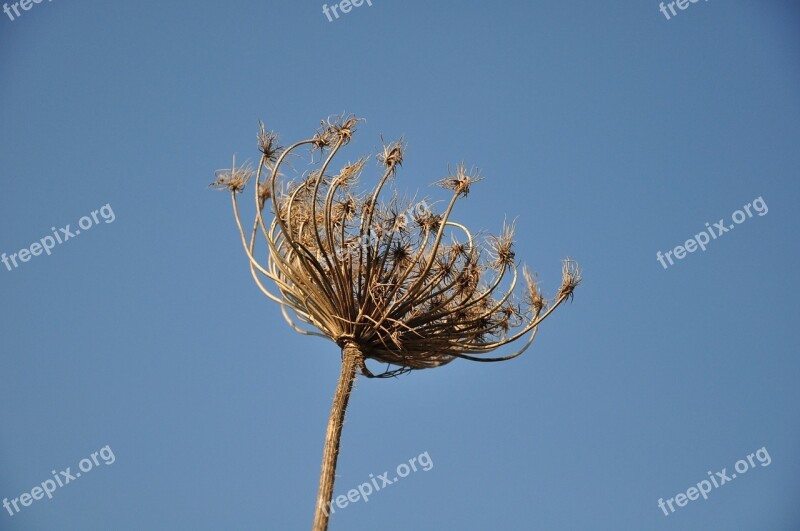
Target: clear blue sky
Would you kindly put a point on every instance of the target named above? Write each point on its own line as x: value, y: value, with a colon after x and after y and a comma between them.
x: 609, y: 131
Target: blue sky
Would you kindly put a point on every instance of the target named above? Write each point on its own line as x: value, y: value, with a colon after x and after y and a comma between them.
x: 610, y: 132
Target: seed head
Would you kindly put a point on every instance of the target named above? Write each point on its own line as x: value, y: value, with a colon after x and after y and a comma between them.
x: 268, y: 143
x: 392, y: 154
x: 502, y: 247
x: 461, y: 180
x: 570, y: 278
x: 409, y: 287
x: 234, y: 179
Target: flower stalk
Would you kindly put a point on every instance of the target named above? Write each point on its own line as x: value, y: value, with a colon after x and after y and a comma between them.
x: 351, y: 359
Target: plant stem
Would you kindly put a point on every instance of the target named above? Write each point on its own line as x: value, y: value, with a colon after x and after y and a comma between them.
x: 351, y: 355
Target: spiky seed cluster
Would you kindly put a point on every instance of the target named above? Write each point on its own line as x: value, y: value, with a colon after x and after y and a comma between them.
x: 234, y: 179
x: 392, y: 155
x: 264, y: 193
x: 502, y: 247
x: 461, y: 180
x: 570, y: 278
x: 268, y: 143
x: 334, y: 130
x: 413, y: 293
x: 534, y: 296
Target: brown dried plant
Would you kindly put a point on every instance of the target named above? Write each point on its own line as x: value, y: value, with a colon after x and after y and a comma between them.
x: 403, y: 286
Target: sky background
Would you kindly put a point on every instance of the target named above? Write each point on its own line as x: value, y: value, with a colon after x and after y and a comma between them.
x: 607, y: 130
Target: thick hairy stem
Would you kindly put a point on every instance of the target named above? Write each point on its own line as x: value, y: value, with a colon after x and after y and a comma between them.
x: 351, y: 358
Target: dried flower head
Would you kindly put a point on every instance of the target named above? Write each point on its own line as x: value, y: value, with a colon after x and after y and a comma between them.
x: 268, y: 143
x: 264, y: 193
x: 384, y: 279
x: 234, y: 179
x: 502, y: 247
x: 335, y: 130
x: 461, y: 180
x: 392, y: 154
x: 570, y: 278
x: 413, y: 291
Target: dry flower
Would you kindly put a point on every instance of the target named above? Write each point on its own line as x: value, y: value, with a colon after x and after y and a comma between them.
x: 382, y: 285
